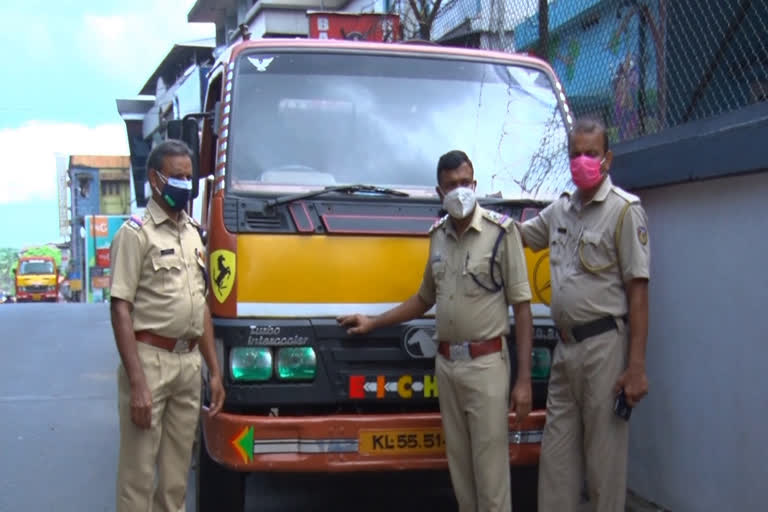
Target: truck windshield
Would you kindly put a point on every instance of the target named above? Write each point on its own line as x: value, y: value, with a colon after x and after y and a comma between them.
x: 314, y: 120
x: 36, y: 267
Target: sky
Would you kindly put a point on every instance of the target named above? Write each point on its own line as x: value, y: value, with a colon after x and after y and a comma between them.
x: 66, y: 63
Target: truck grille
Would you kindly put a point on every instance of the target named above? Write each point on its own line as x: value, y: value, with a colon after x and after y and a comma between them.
x: 377, y: 373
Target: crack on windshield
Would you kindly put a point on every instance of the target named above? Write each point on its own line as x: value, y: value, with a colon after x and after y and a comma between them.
x: 502, y: 136
x: 479, y: 108
x: 547, y: 170
x: 548, y: 164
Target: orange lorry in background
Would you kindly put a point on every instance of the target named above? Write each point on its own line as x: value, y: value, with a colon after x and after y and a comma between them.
x: 317, y: 160
x: 37, y: 279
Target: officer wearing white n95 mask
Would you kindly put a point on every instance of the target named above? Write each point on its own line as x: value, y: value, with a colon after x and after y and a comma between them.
x: 475, y: 271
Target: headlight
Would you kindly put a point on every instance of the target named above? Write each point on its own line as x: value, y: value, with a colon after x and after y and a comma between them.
x: 296, y: 363
x: 251, y: 363
x: 541, y: 362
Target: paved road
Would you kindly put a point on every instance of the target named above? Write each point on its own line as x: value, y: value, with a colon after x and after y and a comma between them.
x: 59, y: 431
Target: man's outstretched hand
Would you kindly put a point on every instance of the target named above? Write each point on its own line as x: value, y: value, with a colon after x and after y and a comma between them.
x: 356, y: 324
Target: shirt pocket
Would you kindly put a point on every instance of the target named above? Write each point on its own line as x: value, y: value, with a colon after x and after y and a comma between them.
x: 476, y: 278
x: 168, y: 272
x: 557, y: 248
x: 438, y: 274
x: 595, y: 254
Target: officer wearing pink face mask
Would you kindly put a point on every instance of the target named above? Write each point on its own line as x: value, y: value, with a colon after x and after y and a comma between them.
x: 600, y: 267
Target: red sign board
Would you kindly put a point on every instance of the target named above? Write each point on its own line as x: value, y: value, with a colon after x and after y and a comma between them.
x: 354, y: 26
x: 102, y: 257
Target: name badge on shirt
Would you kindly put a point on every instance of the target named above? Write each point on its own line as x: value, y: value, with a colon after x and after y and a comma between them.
x: 166, y: 252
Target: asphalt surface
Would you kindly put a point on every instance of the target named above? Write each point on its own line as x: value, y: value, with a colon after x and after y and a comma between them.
x: 59, y: 429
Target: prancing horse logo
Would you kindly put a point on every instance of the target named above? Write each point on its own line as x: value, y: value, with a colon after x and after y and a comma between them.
x: 222, y: 273
x: 418, y: 343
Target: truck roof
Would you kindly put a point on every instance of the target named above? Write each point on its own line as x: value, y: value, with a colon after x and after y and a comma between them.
x: 404, y: 48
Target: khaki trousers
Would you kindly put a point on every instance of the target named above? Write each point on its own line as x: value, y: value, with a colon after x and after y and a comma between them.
x: 154, y: 464
x: 474, y: 404
x: 582, y: 430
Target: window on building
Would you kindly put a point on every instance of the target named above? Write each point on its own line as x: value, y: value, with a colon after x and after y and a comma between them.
x: 110, y: 188
x: 84, y: 185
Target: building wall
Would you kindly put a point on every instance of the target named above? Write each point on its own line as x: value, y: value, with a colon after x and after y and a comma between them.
x: 596, y: 51
x: 85, y: 191
x: 697, y: 441
x: 377, y: 6
x: 714, y: 59
x: 184, y: 96
x: 734, y: 74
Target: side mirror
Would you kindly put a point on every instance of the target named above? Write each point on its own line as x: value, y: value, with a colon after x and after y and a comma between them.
x: 191, y: 135
x: 187, y: 130
x: 174, y: 129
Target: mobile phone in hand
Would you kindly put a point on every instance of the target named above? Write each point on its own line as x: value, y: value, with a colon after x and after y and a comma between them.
x: 621, y: 408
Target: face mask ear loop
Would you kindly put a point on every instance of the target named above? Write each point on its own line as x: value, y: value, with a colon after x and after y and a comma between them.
x: 162, y: 180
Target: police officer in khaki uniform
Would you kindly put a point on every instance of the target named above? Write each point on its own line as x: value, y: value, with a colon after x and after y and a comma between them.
x: 161, y: 324
x: 475, y: 271
x: 599, y: 259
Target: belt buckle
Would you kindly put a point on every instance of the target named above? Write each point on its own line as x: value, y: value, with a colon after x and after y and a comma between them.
x: 460, y: 351
x: 181, y: 346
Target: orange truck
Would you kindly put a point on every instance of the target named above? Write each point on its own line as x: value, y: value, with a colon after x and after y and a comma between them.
x: 316, y: 166
x: 37, y: 279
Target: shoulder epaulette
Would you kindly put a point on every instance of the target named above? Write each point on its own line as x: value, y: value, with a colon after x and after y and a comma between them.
x: 630, y: 198
x: 499, y: 219
x: 135, y: 222
x: 439, y: 222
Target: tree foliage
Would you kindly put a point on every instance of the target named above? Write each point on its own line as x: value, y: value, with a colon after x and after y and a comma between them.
x: 8, y: 258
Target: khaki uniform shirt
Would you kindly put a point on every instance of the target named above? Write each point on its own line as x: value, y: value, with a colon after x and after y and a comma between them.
x: 588, y: 270
x: 158, y: 266
x: 466, y: 311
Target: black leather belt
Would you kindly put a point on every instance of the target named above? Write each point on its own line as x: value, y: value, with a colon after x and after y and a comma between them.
x: 580, y: 333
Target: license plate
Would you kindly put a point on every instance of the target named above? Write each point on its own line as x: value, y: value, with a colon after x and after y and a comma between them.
x: 428, y: 441
x: 36, y: 296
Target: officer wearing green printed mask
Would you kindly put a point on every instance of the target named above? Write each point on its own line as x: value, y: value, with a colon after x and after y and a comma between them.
x: 163, y: 330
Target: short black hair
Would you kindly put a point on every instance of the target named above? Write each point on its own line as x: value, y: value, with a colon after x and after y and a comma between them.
x: 452, y: 160
x: 170, y: 147
x: 590, y: 125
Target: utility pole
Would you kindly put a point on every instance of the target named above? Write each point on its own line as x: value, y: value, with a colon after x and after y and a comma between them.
x: 544, y: 29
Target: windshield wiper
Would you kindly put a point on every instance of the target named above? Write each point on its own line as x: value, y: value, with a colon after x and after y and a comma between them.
x: 343, y: 189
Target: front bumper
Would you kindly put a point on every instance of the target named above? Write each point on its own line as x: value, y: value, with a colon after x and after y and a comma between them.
x: 332, y: 443
x: 32, y: 296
